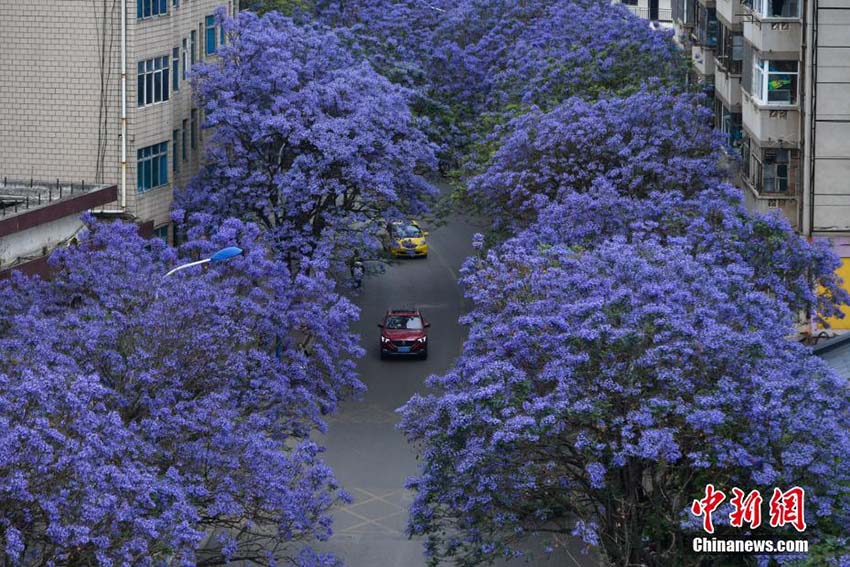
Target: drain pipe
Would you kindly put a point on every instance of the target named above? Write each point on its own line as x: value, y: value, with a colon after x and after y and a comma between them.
x: 123, y: 105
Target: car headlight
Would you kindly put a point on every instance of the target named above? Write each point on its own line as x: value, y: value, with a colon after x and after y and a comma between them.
x: 422, y: 339
x: 384, y: 339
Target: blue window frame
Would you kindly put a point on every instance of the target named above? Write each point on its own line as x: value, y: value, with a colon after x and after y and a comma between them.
x: 152, y: 167
x: 193, y: 47
x: 148, y: 8
x: 211, y: 37
x: 175, y: 69
x: 152, y: 81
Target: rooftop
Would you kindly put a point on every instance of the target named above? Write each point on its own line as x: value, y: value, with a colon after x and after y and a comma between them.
x: 27, y: 205
x: 17, y: 197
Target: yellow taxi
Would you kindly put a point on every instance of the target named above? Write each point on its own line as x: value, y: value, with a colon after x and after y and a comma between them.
x: 406, y: 240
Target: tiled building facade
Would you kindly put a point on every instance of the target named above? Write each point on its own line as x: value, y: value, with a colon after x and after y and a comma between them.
x: 61, y: 95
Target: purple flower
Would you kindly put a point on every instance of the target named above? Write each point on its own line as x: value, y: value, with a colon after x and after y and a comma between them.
x: 134, y: 405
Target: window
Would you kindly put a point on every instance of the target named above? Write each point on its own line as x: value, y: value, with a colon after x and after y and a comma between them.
x: 152, y: 167
x: 406, y: 322
x: 161, y: 232
x: 194, y: 128
x: 175, y: 3
x: 730, y: 50
x: 775, y: 82
x: 175, y: 71
x: 221, y: 35
x: 211, y: 35
x: 152, y: 81
x: 185, y: 60
x: 737, y: 50
x: 730, y: 123
x: 777, y: 8
x: 706, y: 26
x: 775, y: 171
x: 148, y: 8
x: 183, y: 134
x: 193, y: 47
x: 175, y: 167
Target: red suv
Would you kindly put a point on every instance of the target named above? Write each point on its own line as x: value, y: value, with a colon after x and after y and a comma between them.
x: 404, y: 332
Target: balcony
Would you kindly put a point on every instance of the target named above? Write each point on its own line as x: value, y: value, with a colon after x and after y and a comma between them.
x: 642, y: 11
x: 787, y: 205
x: 730, y: 11
x: 727, y: 87
x: 770, y: 124
x: 773, y: 34
x: 703, y: 59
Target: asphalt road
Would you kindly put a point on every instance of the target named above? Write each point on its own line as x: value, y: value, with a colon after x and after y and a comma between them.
x: 370, y: 457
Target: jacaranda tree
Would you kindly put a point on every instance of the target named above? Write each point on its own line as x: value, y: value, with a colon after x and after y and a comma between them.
x: 653, y: 140
x: 588, y: 171
x: 583, y: 48
x: 715, y: 225
x: 600, y: 391
x: 142, y: 414
x: 395, y: 36
x: 492, y: 61
x: 306, y: 140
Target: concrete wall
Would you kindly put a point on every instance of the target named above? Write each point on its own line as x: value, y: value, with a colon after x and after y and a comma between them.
x: 770, y: 125
x: 32, y: 241
x: 730, y: 11
x: 703, y: 59
x: 768, y: 36
x: 727, y: 87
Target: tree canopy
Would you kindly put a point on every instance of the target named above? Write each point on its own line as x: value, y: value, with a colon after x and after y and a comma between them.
x: 141, y: 412
x: 307, y: 141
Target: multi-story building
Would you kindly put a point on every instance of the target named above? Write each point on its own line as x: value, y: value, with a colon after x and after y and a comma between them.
x: 780, y: 76
x: 98, y: 92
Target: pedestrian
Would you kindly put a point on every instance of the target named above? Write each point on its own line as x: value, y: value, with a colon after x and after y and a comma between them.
x: 357, y: 271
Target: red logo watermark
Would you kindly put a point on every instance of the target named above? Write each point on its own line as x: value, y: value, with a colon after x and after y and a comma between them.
x: 785, y: 508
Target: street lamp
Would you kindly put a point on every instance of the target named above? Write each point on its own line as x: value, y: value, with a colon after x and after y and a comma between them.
x: 220, y: 256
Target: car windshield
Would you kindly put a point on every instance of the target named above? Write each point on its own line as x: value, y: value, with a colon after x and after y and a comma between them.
x: 411, y: 323
x: 407, y: 231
